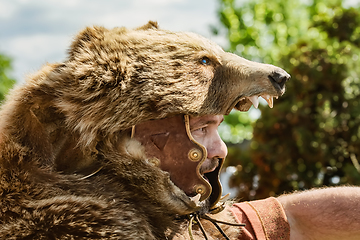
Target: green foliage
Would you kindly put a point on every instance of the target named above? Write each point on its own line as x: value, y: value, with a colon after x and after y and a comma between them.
x: 312, y: 137
x: 5, y: 82
x: 238, y: 127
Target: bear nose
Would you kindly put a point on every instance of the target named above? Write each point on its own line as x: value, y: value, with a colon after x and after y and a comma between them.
x: 279, y: 78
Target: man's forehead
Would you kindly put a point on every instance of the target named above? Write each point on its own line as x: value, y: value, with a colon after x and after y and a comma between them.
x: 208, y: 119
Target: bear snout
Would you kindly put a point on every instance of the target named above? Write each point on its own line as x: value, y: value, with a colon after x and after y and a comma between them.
x: 279, y: 78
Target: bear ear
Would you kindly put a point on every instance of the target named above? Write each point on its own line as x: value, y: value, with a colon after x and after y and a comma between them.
x: 85, y: 38
x: 149, y: 25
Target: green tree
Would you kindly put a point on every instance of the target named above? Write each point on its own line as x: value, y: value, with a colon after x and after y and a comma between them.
x: 311, y: 137
x: 5, y: 81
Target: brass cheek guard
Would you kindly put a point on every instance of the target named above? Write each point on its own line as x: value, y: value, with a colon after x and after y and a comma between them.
x: 178, y: 152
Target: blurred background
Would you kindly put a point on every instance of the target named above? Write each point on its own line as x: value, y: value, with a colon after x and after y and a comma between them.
x: 311, y: 138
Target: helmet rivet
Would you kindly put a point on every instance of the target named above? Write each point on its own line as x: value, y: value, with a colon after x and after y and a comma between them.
x: 200, y: 189
x: 195, y: 154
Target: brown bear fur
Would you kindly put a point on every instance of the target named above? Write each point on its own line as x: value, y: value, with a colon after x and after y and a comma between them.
x: 72, y: 119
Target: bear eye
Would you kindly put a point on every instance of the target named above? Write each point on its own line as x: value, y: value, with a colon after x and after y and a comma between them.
x: 205, y: 61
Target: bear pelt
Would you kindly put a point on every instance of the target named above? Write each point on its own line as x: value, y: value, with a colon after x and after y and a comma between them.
x: 68, y: 168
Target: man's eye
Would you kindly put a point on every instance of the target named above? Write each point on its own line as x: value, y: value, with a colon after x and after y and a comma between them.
x: 200, y: 130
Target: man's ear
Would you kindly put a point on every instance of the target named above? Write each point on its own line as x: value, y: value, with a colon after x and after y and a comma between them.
x: 85, y: 39
x: 149, y: 25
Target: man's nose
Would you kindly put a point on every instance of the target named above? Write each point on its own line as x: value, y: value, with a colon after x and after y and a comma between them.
x: 217, y: 149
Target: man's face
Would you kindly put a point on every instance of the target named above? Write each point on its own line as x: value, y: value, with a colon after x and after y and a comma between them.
x: 205, y: 131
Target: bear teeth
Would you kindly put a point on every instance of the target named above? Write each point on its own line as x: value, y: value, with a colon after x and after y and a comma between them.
x: 255, y: 100
x: 269, y: 100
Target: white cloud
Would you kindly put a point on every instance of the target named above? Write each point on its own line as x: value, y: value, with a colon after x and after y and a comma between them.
x: 7, y: 9
x: 31, y: 52
x: 141, y: 3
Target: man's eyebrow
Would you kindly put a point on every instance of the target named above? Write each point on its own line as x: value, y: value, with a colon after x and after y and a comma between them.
x: 206, y: 122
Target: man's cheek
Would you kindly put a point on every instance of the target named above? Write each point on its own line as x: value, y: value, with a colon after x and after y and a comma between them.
x: 198, y: 136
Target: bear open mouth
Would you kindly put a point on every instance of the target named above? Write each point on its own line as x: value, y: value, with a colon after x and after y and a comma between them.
x: 245, y: 103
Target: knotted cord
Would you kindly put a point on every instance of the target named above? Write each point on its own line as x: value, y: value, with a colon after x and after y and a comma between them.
x: 196, y: 217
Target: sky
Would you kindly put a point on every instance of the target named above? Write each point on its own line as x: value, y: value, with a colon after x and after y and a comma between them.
x: 34, y: 32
